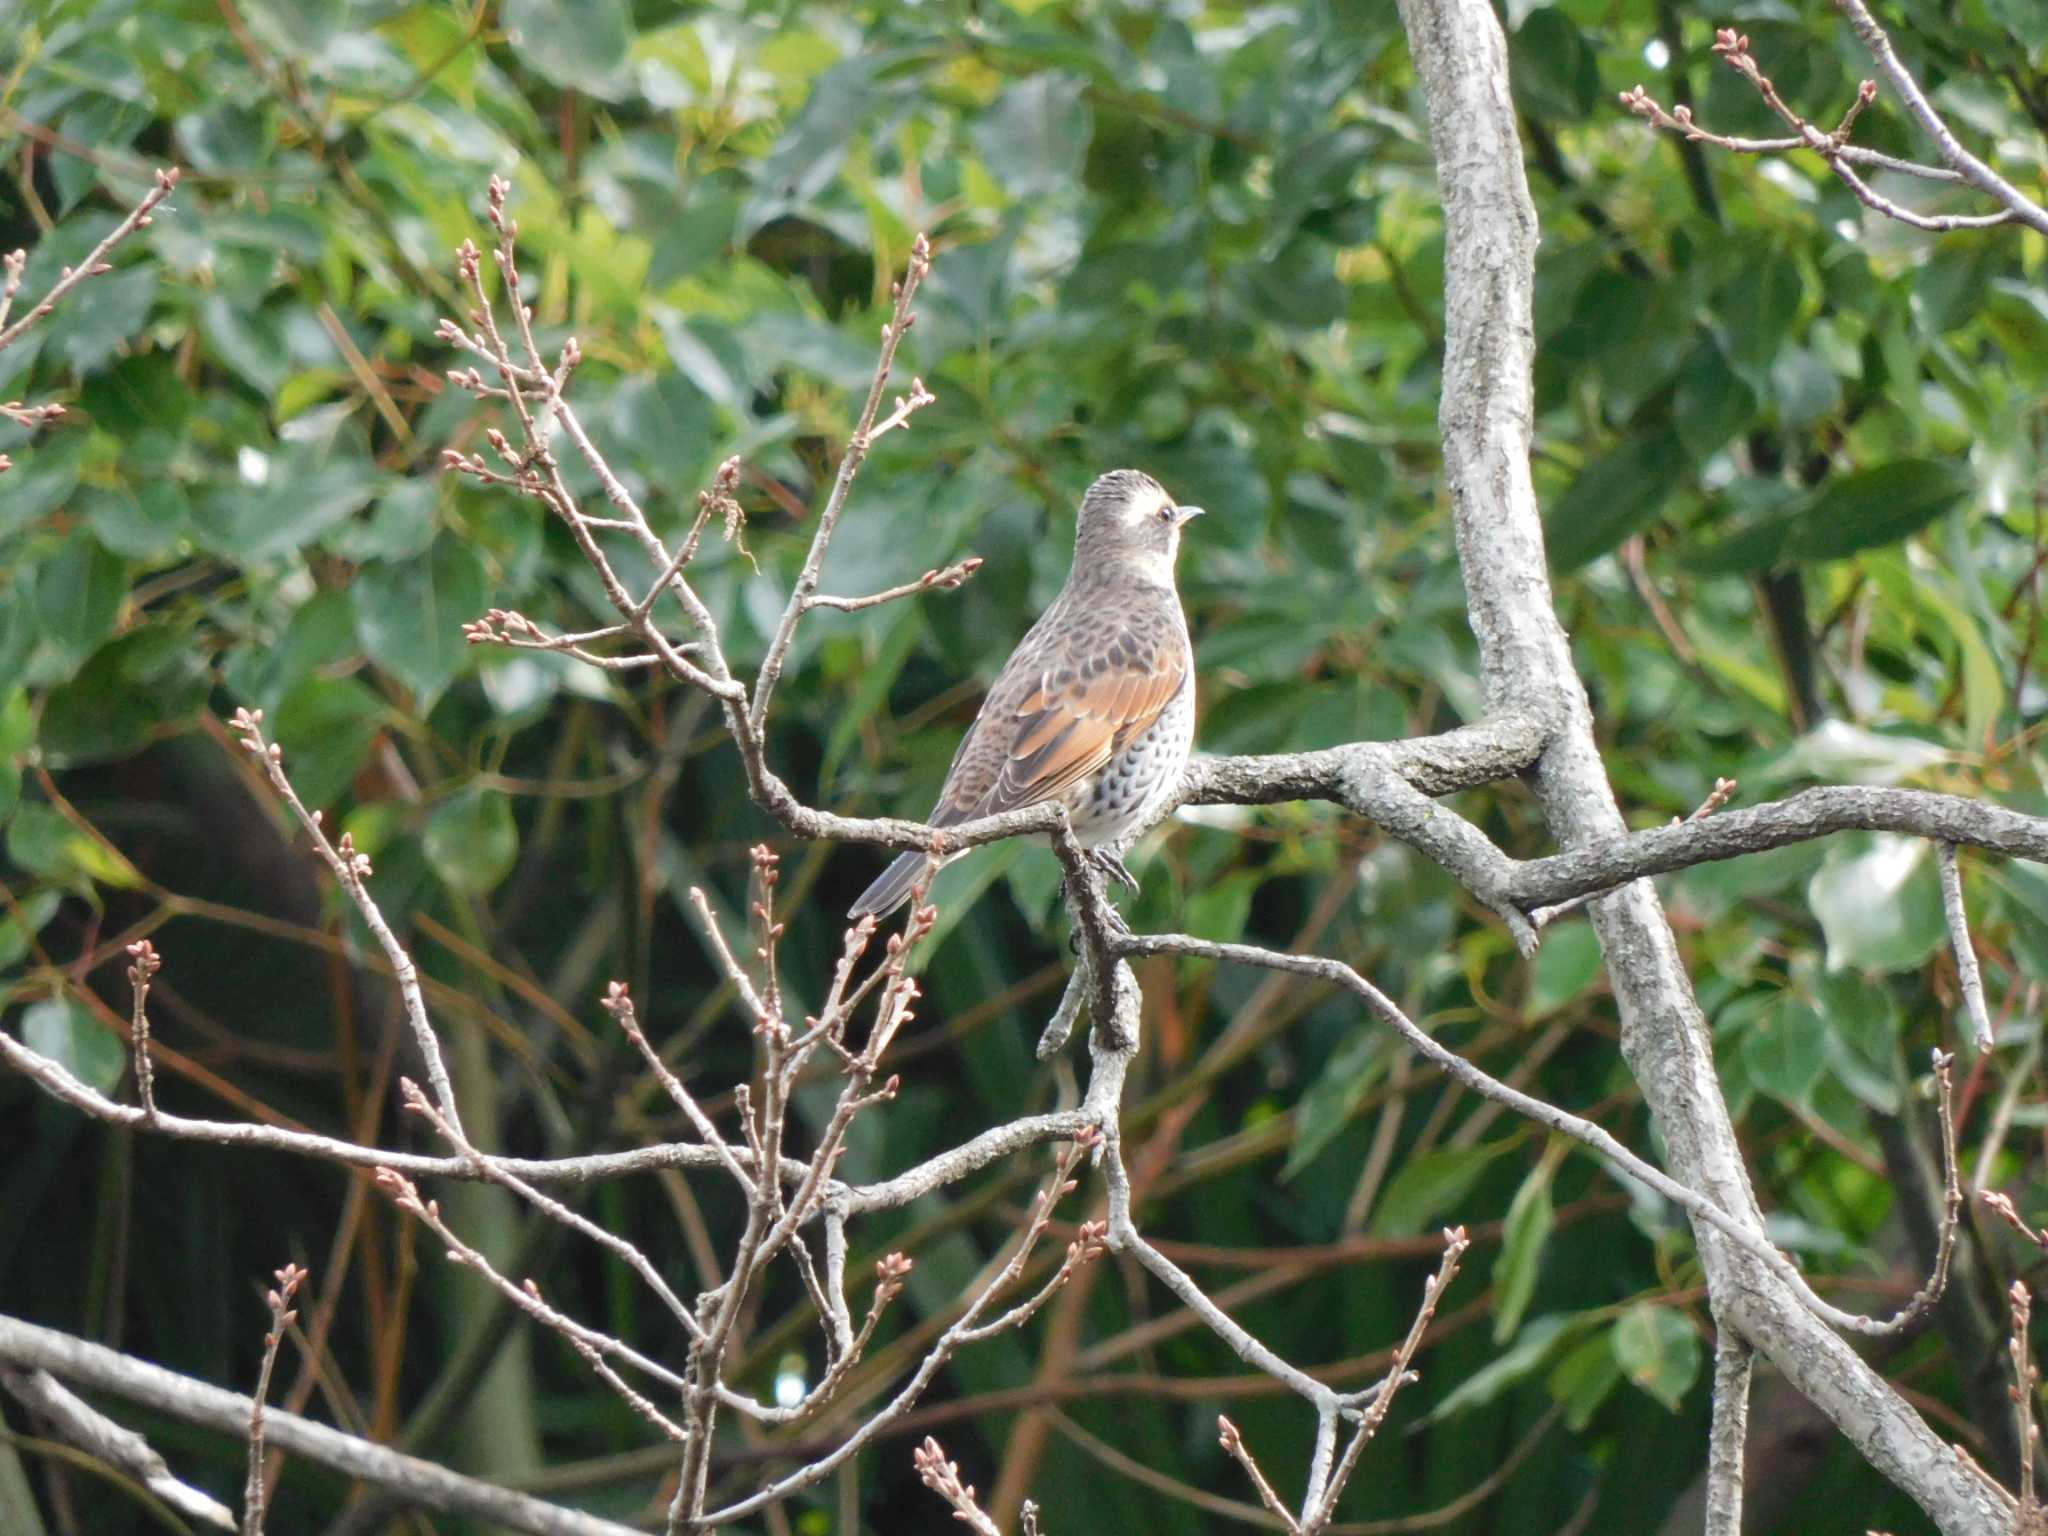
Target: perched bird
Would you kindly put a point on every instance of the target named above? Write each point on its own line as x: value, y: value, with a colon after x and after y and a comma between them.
x: 1096, y: 706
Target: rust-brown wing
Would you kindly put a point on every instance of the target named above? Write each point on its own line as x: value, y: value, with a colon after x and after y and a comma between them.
x: 1077, y: 718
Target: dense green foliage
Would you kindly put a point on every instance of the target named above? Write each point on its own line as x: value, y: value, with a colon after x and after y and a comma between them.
x: 1792, y: 461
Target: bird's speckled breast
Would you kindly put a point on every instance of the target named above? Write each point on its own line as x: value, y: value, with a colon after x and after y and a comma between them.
x: 1132, y: 788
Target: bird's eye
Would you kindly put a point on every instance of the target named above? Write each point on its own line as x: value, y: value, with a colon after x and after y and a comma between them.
x: 1165, y: 513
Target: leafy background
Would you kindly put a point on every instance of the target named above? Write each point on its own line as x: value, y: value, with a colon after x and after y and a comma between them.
x: 1792, y: 464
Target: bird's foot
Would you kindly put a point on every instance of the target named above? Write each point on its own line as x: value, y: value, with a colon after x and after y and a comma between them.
x: 1112, y: 866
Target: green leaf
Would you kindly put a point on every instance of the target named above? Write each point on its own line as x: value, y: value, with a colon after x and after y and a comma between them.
x: 132, y: 688
x: 1784, y: 1049
x: 471, y: 840
x: 42, y: 479
x: 1658, y: 1351
x: 143, y: 522
x: 1878, y: 506
x: 18, y: 927
x: 249, y: 339
x: 105, y: 315
x: 410, y: 613
x: 295, y: 501
x: 42, y: 842
x: 2025, y: 20
x: 580, y: 43
x: 1584, y: 1379
x: 1860, y: 1025
x: 1805, y: 388
x: 1612, y: 497
x: 813, y: 148
x: 1521, y: 1360
x: 1432, y: 1185
x: 65, y: 1032
x: 79, y: 595
x: 326, y: 725
x: 1840, y: 752
x: 1334, y: 1097
x: 1555, y: 74
x: 1566, y: 965
x: 1764, y: 510
x: 1034, y: 137
x: 1757, y: 311
x: 1879, y: 903
x: 1712, y: 402
x: 1531, y: 1218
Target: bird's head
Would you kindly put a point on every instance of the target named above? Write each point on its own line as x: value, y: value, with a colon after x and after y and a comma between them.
x: 1127, y: 519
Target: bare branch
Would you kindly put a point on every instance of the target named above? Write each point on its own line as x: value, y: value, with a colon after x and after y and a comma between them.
x: 255, y: 1489
x: 1967, y: 974
x: 1232, y: 1441
x: 1321, y: 1508
x: 82, y: 1425
x: 1716, y: 798
x: 414, y: 1481
x: 1973, y: 170
x: 145, y: 965
x: 1388, y: 1012
x: 1526, y: 666
x: 946, y: 580
x: 352, y: 870
x: 943, y: 1478
x: 1614, y: 860
x: 1728, y: 1434
x: 864, y: 434
x: 2026, y: 1382
x: 95, y: 263
x: 1833, y: 148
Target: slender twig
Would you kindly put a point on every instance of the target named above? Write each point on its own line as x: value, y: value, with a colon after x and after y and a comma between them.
x: 946, y: 580
x: 404, y: 1194
x: 619, y: 1004
x: 1597, y: 1137
x: 255, y: 1489
x: 95, y: 263
x: 515, y: 631
x: 1923, y: 1300
x: 901, y: 318
x: 943, y: 1478
x: 1972, y: 169
x: 352, y: 870
x: 1967, y: 974
x: 1717, y: 797
x: 1321, y: 1508
x: 934, y: 1361
x: 2003, y: 1206
x: 1834, y: 148
x: 1228, y: 1436
x: 497, y: 1173
x: 145, y: 964
x: 2026, y: 1381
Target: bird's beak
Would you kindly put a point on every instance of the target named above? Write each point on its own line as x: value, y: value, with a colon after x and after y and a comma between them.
x: 1187, y: 515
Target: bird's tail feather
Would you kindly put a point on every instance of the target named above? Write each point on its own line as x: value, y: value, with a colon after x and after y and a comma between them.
x: 892, y: 888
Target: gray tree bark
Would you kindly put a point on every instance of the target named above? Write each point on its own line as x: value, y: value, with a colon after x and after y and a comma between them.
x: 1489, y: 258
